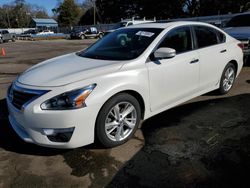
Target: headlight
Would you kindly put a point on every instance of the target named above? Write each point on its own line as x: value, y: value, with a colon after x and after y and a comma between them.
x: 70, y: 100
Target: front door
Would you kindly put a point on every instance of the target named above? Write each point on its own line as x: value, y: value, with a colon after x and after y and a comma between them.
x: 172, y: 80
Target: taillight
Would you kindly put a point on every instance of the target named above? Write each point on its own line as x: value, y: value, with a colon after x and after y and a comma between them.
x: 241, y: 45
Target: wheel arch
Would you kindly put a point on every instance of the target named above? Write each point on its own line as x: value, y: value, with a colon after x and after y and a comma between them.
x: 133, y: 93
x: 138, y: 97
x: 234, y: 62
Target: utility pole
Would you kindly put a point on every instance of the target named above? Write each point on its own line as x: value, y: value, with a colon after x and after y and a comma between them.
x: 94, y: 7
x: 8, y: 18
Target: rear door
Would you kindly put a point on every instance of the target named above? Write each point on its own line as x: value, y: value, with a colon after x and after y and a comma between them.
x: 175, y: 79
x: 212, y: 51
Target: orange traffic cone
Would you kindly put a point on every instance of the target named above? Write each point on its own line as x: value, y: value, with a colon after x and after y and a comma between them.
x: 3, y: 52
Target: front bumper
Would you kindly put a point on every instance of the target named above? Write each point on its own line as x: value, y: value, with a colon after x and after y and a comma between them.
x: 30, y: 122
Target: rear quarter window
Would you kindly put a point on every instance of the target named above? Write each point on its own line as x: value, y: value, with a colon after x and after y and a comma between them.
x: 221, y: 37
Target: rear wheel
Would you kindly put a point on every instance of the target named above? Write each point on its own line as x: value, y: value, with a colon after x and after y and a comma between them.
x: 118, y: 120
x: 227, y: 78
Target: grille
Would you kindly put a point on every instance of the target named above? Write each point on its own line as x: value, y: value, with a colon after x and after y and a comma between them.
x: 20, y: 98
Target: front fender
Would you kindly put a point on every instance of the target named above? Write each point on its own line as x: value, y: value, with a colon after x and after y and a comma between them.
x: 110, y: 85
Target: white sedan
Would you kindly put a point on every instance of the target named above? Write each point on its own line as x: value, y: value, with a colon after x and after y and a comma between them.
x: 45, y: 32
x: 103, y: 92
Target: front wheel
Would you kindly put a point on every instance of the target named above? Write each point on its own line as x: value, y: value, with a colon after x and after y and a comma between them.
x: 118, y: 120
x: 100, y: 36
x: 83, y: 37
x: 227, y: 78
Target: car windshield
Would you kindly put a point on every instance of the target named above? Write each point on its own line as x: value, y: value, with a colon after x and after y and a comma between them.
x: 239, y: 21
x: 123, y: 44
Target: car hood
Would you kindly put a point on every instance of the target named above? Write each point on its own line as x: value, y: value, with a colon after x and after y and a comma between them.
x: 66, y: 69
x: 240, y: 33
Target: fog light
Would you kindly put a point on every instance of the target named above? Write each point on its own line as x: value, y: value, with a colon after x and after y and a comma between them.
x: 59, y: 135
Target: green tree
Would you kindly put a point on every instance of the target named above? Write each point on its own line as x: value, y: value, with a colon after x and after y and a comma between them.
x: 109, y: 10
x: 3, y: 18
x: 192, y: 7
x: 114, y: 10
x: 214, y: 7
x: 68, y: 13
x: 19, y: 14
x: 38, y: 12
x: 161, y: 9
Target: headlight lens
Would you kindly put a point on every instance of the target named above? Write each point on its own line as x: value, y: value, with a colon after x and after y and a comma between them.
x: 70, y: 100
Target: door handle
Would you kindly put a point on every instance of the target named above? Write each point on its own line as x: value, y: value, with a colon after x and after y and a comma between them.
x: 194, y: 61
x: 223, y: 51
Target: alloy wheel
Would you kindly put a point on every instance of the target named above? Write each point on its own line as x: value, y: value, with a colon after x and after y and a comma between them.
x: 228, y: 78
x: 120, y: 121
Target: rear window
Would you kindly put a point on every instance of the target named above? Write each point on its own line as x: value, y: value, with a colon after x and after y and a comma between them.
x: 239, y: 21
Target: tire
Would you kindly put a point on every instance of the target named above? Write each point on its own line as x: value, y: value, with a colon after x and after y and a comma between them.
x: 111, y: 128
x: 83, y: 37
x: 1, y: 40
x: 100, y: 36
x: 227, y: 79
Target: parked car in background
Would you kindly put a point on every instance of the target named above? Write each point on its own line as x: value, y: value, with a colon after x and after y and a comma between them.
x: 91, y: 32
x: 128, y: 22
x: 5, y: 36
x: 45, y: 32
x: 29, y: 32
x: 239, y: 28
x: 104, y: 91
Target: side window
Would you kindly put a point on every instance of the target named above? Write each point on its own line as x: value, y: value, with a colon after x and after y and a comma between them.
x: 178, y: 39
x: 130, y: 23
x: 93, y: 30
x: 205, y: 36
x: 221, y: 37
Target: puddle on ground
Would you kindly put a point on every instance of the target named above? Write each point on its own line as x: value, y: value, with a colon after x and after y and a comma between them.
x: 98, y: 165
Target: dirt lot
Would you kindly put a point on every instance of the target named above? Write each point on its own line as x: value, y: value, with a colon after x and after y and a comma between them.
x: 203, y: 143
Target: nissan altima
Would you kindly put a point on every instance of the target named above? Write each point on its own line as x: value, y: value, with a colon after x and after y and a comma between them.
x: 103, y: 92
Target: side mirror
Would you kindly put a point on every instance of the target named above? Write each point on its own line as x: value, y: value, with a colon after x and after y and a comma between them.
x: 164, y: 53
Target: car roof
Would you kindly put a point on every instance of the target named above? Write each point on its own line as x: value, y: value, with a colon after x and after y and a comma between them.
x: 169, y: 24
